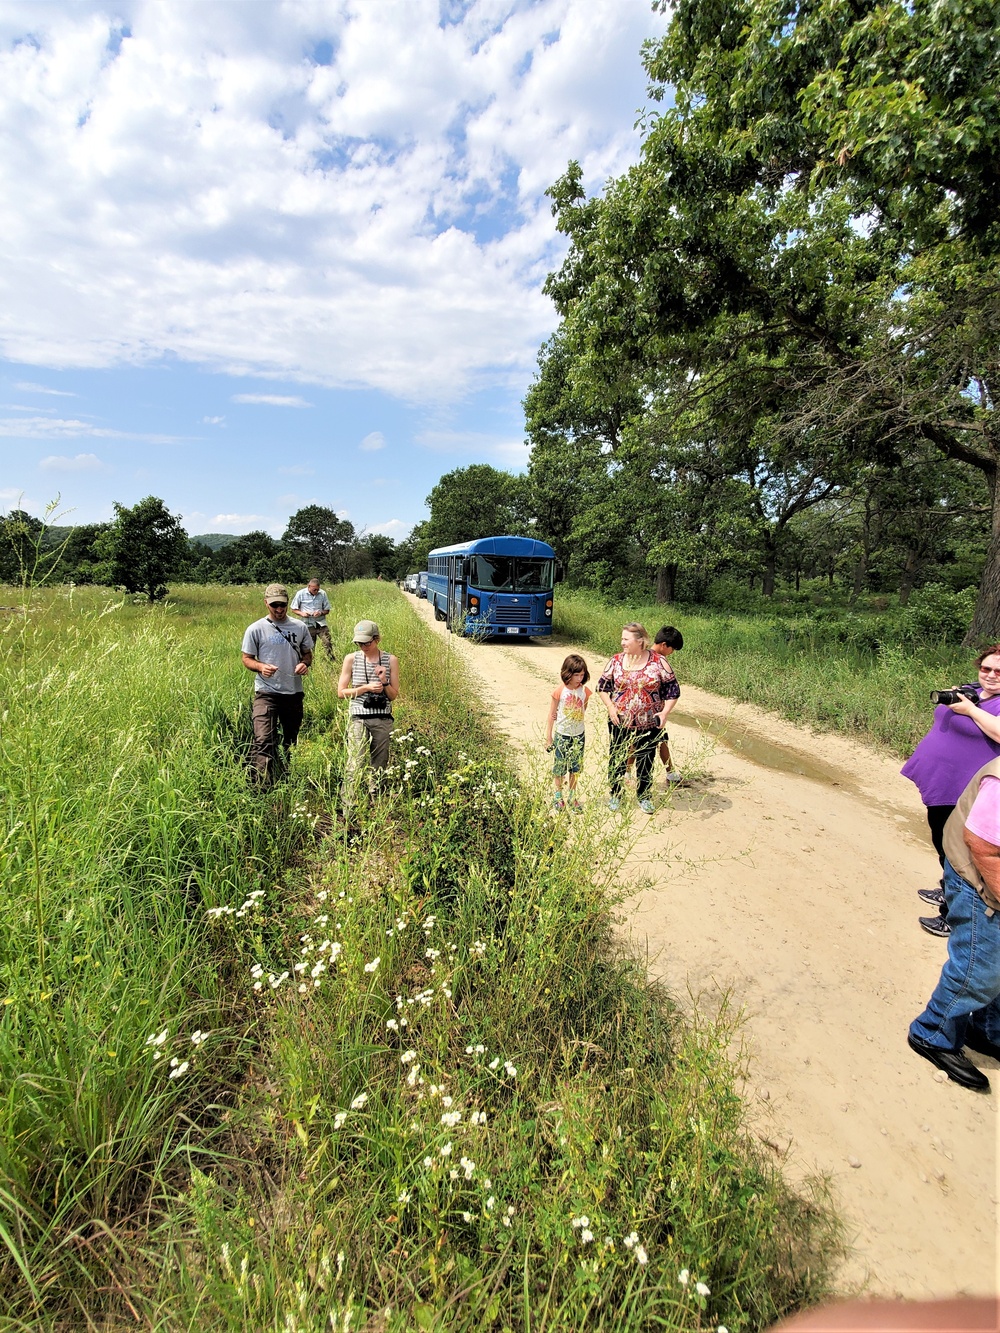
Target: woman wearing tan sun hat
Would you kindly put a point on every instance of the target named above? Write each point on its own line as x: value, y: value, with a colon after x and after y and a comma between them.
x: 369, y: 678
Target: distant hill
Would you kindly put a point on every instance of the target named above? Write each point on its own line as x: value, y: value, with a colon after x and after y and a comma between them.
x: 216, y: 540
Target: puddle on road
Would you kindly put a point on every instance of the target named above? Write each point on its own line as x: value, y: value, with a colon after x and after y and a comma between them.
x: 781, y: 758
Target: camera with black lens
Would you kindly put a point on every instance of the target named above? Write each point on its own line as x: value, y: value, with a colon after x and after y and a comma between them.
x: 376, y: 703
x: 953, y: 696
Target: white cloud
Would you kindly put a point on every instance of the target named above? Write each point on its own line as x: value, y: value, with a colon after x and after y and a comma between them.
x: 206, y: 190
x: 512, y: 452
x: 374, y: 440
x: 237, y: 524
x: 270, y: 399
x: 60, y: 428
x: 78, y: 463
x: 27, y: 387
x: 393, y: 527
x: 298, y: 470
x: 214, y: 421
x: 20, y: 407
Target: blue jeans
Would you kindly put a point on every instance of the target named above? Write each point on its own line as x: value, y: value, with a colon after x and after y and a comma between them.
x: 969, y: 989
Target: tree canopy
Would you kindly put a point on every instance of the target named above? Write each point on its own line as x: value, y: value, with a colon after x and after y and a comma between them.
x: 797, y: 282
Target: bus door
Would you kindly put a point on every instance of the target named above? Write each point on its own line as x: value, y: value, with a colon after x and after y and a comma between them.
x: 454, y: 607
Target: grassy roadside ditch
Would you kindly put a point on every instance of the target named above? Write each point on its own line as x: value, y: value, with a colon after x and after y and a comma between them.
x: 431, y: 1092
x: 842, y: 675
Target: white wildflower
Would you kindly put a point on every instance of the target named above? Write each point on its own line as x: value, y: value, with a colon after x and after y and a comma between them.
x: 373, y: 965
x: 403, y: 1197
x: 428, y: 1162
x: 407, y: 1057
x: 641, y: 1256
x: 682, y: 1276
x: 586, y: 1236
x: 198, y: 1036
x: 495, y: 1064
x: 392, y: 1025
x: 157, y: 1038
x: 509, y: 1069
x: 584, y: 1222
x: 338, y: 1119
x: 446, y: 1150
x: 451, y: 1118
x: 182, y: 1068
x: 466, y: 1217
x: 359, y: 1101
x: 702, y: 1289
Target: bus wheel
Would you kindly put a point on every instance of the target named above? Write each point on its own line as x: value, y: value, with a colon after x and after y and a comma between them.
x: 438, y: 613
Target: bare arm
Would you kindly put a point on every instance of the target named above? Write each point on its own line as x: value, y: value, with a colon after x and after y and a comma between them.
x: 344, y: 690
x: 266, y: 669
x: 986, y: 722
x: 392, y: 684
x: 986, y: 856
x: 551, y: 720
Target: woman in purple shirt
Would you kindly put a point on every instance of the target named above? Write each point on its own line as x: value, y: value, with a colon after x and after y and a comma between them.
x: 964, y: 737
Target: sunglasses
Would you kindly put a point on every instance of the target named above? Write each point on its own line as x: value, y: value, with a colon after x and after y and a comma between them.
x: 989, y: 671
x: 274, y: 605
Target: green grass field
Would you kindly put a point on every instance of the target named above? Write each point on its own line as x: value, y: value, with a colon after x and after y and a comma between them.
x: 265, y: 1071
x: 848, y: 672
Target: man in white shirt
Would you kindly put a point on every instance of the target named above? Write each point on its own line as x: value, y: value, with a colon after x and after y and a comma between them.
x: 311, y: 605
x: 964, y: 1010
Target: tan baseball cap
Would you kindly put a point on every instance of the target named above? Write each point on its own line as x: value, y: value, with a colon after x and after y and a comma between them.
x: 275, y: 592
x: 365, y: 631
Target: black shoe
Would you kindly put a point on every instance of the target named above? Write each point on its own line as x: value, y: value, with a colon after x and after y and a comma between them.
x: 935, y: 925
x: 935, y: 896
x: 978, y: 1041
x: 955, y: 1065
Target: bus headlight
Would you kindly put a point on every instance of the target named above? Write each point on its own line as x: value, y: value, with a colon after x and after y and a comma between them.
x: 548, y: 610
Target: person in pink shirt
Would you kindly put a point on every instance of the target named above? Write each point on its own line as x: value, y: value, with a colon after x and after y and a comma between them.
x: 964, y: 1010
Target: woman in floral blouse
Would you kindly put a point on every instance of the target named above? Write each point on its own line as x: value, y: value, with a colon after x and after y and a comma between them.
x: 639, y: 690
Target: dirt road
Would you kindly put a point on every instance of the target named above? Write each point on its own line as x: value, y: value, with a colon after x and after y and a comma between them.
x: 788, y: 873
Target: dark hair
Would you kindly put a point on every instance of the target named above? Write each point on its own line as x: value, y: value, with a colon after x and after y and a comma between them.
x: 571, y: 666
x: 988, y: 652
x: 670, y: 637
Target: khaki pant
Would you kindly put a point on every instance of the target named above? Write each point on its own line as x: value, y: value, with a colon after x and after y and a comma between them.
x: 367, y: 746
x: 276, y: 722
x: 319, y: 632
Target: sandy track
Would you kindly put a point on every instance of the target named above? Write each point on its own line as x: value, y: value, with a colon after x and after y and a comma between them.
x: 798, y: 894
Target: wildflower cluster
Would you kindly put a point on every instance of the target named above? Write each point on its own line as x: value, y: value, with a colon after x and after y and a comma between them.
x: 251, y: 902
x: 156, y: 1042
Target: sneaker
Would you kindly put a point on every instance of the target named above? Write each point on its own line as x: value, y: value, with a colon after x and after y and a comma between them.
x: 935, y: 896
x: 935, y: 925
x: 614, y: 804
x: 558, y: 803
x: 646, y: 805
x: 576, y: 806
x: 672, y: 777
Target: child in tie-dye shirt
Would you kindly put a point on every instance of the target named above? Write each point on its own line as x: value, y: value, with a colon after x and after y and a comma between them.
x: 566, y: 720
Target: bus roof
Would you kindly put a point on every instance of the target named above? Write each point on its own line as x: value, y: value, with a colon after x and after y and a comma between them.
x: 526, y: 546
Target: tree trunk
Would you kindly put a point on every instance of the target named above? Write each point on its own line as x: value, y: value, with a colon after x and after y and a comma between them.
x: 753, y: 577
x: 798, y: 575
x: 985, y: 627
x: 770, y: 563
x: 909, y: 575
x: 666, y: 583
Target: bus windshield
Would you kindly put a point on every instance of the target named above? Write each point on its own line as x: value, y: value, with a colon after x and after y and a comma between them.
x: 505, y: 573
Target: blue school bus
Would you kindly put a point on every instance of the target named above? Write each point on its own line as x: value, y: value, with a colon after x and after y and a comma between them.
x: 493, y: 586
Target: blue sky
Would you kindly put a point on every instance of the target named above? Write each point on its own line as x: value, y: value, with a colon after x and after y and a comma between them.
x: 266, y: 253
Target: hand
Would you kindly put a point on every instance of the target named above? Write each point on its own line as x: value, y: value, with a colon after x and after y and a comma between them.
x: 549, y: 747
x: 375, y: 687
x: 963, y: 705
x: 267, y: 670
x: 613, y: 714
x: 301, y: 668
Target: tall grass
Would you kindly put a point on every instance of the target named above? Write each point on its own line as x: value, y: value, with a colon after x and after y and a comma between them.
x: 814, y: 672
x: 432, y: 1093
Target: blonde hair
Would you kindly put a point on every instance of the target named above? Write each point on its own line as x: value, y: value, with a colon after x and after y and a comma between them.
x: 639, y: 631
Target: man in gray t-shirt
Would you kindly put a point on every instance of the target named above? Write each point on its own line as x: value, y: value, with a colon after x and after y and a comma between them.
x: 280, y: 652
